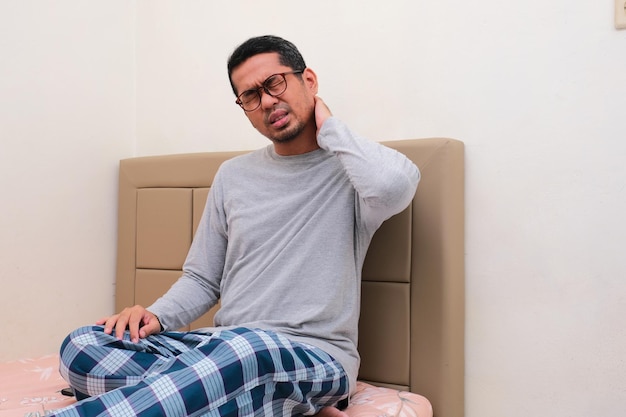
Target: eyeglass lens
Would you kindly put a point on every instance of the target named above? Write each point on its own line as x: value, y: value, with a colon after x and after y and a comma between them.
x: 275, y: 85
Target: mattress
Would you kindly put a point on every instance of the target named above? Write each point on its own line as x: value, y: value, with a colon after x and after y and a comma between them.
x: 32, y: 388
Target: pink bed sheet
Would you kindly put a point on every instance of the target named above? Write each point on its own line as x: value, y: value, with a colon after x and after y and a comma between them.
x: 32, y: 388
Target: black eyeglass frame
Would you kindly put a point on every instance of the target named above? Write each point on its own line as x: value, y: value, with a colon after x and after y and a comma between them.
x: 265, y: 89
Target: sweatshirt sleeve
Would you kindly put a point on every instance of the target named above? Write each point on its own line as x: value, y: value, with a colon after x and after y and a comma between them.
x: 385, y: 180
x: 197, y: 290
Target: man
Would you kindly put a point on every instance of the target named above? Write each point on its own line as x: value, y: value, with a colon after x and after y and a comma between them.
x: 281, y: 243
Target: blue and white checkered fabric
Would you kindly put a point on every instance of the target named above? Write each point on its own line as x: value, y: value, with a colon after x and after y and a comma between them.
x: 238, y: 372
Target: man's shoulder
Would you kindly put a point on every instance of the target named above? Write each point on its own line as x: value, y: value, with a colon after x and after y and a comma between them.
x: 244, y: 159
x: 240, y: 164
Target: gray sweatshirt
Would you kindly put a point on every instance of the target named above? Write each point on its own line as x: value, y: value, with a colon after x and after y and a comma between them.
x: 283, y: 238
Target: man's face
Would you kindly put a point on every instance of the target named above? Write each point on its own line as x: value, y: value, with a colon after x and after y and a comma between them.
x: 284, y: 118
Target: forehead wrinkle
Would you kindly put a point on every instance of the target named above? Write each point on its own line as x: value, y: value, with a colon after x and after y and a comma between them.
x: 259, y: 68
x: 260, y: 83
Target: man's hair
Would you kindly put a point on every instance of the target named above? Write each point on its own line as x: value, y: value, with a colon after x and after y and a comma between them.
x: 288, y: 54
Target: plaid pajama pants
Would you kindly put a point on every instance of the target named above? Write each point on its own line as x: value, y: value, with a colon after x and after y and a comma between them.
x: 238, y: 372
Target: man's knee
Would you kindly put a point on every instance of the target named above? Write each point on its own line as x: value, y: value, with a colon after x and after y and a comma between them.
x: 86, y: 335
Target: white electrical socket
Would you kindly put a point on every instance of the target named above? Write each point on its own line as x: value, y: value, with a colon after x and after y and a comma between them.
x: 620, y: 14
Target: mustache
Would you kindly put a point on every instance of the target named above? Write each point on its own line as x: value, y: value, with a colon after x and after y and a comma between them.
x: 270, y: 114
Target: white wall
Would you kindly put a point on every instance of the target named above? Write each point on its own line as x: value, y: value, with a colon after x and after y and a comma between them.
x: 66, y: 118
x: 535, y: 89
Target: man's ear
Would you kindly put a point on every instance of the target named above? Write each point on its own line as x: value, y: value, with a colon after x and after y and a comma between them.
x: 310, y: 79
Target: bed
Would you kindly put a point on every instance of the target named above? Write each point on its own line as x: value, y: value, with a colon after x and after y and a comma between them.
x: 412, y: 317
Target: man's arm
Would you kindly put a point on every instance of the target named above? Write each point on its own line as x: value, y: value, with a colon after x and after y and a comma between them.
x: 195, y: 291
x: 384, y: 178
x: 198, y: 289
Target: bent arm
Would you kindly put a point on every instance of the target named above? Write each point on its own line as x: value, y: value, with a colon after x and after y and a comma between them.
x: 384, y: 179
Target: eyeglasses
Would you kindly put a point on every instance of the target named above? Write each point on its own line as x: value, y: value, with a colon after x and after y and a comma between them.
x: 274, y: 86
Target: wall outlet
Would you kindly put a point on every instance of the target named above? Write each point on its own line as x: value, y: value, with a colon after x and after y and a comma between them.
x: 620, y: 14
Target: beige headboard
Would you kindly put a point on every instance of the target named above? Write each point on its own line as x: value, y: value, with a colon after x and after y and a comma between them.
x: 412, y: 317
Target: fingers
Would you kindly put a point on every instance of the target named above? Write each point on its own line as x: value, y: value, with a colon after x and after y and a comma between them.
x: 102, y: 321
x: 133, y: 323
x: 151, y: 325
x: 322, y: 112
x: 108, y: 322
x: 139, y: 322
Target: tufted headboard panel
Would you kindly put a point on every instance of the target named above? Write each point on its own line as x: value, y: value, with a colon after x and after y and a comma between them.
x: 412, y: 316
